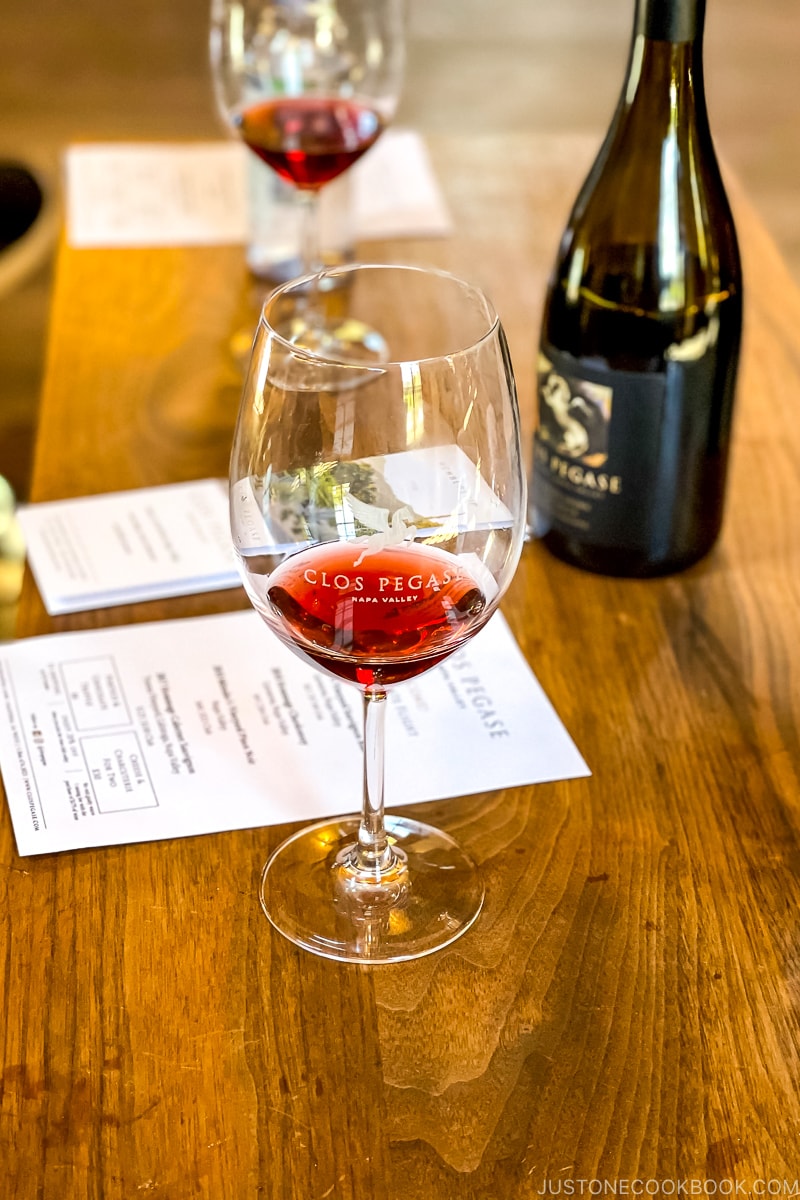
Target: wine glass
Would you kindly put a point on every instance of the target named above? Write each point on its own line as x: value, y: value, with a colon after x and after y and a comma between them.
x: 308, y: 85
x: 378, y: 512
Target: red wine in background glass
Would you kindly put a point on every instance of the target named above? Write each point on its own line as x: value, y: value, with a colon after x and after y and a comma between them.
x: 374, y: 618
x: 309, y: 140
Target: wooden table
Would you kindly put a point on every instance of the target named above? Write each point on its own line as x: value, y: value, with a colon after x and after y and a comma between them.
x: 628, y: 1006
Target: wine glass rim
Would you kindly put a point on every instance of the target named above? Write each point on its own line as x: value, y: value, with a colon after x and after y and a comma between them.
x: 304, y: 281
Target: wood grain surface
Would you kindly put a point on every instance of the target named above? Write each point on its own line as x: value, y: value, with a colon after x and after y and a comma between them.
x: 625, y: 1016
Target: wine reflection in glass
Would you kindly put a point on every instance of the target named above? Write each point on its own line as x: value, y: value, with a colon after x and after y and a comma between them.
x: 378, y: 511
x: 309, y: 86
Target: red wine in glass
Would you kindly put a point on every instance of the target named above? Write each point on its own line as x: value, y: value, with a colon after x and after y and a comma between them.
x: 309, y: 140
x: 377, y: 617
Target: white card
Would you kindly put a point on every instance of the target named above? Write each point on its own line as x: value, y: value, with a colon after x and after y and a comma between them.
x: 155, y: 195
x: 122, y: 547
x: 187, y: 727
x: 190, y: 194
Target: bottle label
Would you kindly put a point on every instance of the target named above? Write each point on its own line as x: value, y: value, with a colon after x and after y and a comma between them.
x: 596, y: 450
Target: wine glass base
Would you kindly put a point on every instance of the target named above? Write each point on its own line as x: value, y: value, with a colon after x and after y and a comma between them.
x: 313, y: 900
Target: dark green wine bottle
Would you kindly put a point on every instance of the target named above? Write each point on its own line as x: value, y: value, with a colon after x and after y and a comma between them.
x: 642, y: 325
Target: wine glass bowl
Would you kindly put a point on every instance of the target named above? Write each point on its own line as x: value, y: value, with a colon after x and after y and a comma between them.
x: 378, y: 513
x: 308, y: 140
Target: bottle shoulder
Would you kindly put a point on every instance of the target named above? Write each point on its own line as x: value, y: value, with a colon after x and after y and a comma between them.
x: 639, y: 182
x: 650, y: 246
x: 657, y: 161
x: 651, y: 239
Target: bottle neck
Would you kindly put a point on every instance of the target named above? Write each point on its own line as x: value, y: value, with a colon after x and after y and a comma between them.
x: 670, y: 20
x: 664, y: 79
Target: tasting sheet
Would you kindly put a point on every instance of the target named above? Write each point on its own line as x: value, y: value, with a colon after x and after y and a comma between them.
x: 122, y: 547
x: 194, y: 194
x: 201, y: 725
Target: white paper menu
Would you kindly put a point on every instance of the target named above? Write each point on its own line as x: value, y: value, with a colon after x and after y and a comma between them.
x: 194, y: 194
x: 196, y: 726
x: 155, y: 194
x: 121, y: 547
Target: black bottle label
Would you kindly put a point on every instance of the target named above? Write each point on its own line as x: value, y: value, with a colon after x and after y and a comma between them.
x: 598, y: 451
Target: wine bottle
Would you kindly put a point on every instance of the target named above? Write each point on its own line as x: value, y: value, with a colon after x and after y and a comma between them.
x: 642, y: 326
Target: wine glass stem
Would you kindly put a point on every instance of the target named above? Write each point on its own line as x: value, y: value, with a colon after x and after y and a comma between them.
x: 310, y: 254
x: 373, y: 853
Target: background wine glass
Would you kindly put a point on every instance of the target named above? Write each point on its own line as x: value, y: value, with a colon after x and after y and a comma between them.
x: 378, y: 512
x: 309, y: 86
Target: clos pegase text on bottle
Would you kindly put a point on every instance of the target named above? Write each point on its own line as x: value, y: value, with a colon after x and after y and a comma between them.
x: 642, y: 326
